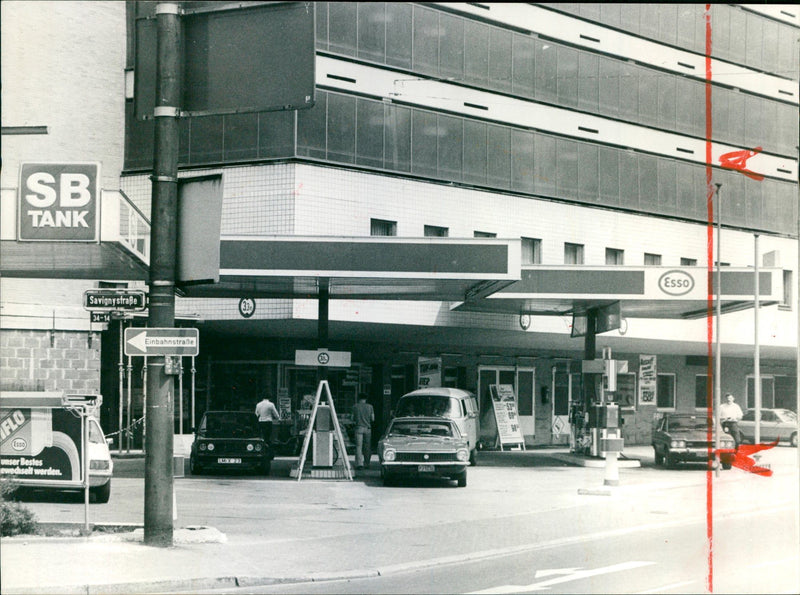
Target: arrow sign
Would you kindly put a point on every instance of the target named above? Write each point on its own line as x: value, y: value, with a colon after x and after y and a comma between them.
x: 162, y: 341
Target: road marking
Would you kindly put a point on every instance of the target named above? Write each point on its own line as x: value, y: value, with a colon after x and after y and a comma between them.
x: 772, y: 563
x: 580, y: 574
x: 552, y: 571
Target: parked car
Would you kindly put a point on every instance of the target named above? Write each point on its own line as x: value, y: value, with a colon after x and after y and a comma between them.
x: 453, y: 403
x: 776, y: 424
x: 423, y: 446
x: 229, y: 440
x: 683, y: 437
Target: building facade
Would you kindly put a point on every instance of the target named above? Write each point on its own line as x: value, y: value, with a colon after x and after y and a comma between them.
x: 588, y: 133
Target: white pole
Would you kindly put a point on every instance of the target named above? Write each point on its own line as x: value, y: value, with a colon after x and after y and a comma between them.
x: 121, y: 386
x: 129, y: 432
x: 194, y: 370
x: 180, y: 396
x: 757, y: 348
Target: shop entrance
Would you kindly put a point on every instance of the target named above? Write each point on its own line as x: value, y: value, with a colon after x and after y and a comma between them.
x: 523, y: 381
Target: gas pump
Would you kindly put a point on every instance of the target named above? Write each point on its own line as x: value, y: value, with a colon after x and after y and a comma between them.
x: 603, y: 414
x: 323, y: 437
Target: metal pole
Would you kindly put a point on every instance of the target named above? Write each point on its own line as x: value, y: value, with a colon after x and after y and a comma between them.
x: 180, y: 396
x: 121, y: 385
x: 194, y: 370
x: 158, y: 493
x: 129, y: 432
x: 85, y: 457
x: 718, y: 361
x: 757, y: 347
x: 144, y: 405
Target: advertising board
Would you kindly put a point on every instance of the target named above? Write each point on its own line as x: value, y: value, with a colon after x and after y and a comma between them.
x: 41, y: 445
x: 59, y: 202
x: 504, y: 403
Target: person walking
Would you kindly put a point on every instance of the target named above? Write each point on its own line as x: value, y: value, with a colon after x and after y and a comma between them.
x: 267, y: 413
x: 729, y: 415
x: 364, y: 416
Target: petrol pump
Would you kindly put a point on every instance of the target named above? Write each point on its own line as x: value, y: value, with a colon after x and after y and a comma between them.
x: 323, y: 437
x: 602, y: 417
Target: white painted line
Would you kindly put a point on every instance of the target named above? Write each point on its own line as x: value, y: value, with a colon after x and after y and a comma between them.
x: 581, y: 574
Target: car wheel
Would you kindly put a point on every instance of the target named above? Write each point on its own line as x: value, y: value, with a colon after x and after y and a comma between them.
x: 793, y: 439
x: 727, y: 465
x: 265, y: 467
x: 473, y: 457
x: 670, y: 460
x: 194, y: 468
x: 461, y: 479
x: 658, y: 457
x: 102, y: 493
x: 388, y: 479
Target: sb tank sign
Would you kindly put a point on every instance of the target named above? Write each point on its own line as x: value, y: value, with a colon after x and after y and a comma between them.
x: 59, y: 202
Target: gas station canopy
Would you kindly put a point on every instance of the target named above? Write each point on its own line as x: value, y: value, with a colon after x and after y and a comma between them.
x: 640, y: 292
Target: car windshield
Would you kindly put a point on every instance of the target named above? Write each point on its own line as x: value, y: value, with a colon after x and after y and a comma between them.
x: 786, y: 415
x: 686, y: 423
x: 428, y: 406
x: 412, y: 428
x: 229, y: 424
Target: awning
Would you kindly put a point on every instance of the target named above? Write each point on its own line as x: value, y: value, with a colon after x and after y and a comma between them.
x: 439, y: 269
x: 641, y: 292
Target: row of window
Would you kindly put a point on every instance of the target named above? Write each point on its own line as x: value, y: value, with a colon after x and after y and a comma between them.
x: 738, y: 36
x: 371, y: 133
x: 455, y: 48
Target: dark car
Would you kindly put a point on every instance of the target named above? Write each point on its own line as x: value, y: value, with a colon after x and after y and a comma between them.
x: 776, y: 424
x: 423, y: 446
x: 683, y: 437
x: 229, y: 440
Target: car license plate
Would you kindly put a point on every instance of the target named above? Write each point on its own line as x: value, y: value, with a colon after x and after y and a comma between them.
x: 227, y: 461
x: 425, y: 468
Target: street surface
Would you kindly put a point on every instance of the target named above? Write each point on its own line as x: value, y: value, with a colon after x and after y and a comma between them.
x: 520, y: 526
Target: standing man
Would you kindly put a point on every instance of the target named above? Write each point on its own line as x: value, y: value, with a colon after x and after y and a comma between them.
x: 729, y: 415
x: 363, y: 415
x: 267, y: 413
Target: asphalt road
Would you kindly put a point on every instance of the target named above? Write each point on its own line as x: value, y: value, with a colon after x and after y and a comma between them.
x: 515, y: 528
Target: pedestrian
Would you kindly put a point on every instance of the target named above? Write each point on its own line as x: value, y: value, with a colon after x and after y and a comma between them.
x: 267, y: 413
x: 729, y: 415
x: 364, y: 416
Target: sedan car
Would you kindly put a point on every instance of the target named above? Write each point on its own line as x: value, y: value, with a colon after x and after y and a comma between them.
x: 423, y: 446
x: 229, y: 440
x: 683, y: 437
x: 776, y: 424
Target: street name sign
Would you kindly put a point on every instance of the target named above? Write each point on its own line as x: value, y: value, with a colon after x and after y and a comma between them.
x: 107, y: 300
x: 100, y: 316
x: 162, y: 341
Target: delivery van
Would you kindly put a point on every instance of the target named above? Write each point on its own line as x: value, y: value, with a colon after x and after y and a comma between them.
x: 454, y: 403
x: 42, y: 438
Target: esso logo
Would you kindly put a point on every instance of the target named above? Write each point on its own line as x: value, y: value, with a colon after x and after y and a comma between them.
x: 676, y: 282
x: 19, y: 444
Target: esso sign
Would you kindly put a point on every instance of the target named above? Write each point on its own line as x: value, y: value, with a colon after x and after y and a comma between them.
x: 676, y: 282
x: 58, y: 202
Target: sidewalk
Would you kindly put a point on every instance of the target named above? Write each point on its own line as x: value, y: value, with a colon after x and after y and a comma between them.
x: 205, y: 558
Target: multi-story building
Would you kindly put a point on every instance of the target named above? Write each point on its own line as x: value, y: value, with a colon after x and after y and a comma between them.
x: 584, y: 136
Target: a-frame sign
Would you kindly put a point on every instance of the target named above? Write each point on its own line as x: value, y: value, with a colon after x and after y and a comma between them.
x: 337, y: 432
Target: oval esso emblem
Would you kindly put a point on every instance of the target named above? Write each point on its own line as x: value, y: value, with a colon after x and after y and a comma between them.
x: 19, y: 444
x: 676, y: 282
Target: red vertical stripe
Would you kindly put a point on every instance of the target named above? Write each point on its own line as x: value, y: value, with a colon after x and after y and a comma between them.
x: 710, y: 316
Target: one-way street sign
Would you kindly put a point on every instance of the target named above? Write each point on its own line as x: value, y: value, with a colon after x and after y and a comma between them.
x: 162, y: 341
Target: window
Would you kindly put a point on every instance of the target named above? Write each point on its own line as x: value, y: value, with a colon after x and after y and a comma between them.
x: 665, y: 391
x: 531, y: 251
x: 573, y: 253
x: 702, y: 391
x: 615, y: 256
x: 484, y: 234
x: 767, y: 393
x: 380, y: 227
x: 652, y: 259
x: 688, y: 262
x: 787, y: 289
x: 432, y: 231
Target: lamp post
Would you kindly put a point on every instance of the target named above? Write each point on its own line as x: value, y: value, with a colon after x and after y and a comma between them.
x: 718, y: 358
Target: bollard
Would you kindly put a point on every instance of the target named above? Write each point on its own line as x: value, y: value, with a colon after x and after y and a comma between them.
x: 611, y: 477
